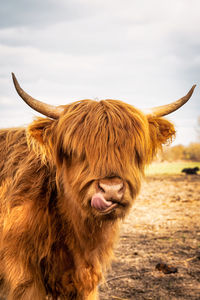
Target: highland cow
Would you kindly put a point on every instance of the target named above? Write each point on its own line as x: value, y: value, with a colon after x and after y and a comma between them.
x: 66, y: 182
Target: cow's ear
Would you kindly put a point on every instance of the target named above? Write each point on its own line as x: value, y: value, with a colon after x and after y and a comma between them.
x: 161, y: 132
x: 39, y: 137
x: 39, y: 130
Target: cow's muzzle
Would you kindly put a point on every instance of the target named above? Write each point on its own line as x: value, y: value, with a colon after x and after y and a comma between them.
x: 109, y: 194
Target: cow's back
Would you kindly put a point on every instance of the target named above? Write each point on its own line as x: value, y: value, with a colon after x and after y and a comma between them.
x: 13, y: 148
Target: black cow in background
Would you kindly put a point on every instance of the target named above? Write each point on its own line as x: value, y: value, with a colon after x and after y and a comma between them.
x: 190, y: 171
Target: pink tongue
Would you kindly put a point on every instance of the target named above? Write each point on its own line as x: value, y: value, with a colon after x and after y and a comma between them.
x: 99, y: 202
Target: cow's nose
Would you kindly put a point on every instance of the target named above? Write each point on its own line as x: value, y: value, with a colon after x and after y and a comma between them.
x: 111, y: 188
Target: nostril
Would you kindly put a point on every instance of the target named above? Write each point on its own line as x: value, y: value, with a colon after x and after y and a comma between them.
x: 121, y: 191
x: 121, y: 188
x: 100, y: 187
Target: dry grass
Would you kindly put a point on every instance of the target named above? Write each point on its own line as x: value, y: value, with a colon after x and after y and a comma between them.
x: 170, y: 168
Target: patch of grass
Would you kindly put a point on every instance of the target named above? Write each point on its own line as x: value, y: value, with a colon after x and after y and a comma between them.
x: 169, y: 168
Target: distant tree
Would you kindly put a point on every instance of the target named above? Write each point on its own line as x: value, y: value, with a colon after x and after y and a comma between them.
x: 192, y: 152
x: 173, y: 153
x: 180, y: 152
x: 198, y: 128
x: 177, y: 152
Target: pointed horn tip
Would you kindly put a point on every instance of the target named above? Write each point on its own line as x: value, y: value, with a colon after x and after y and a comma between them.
x: 14, y: 78
x: 191, y: 90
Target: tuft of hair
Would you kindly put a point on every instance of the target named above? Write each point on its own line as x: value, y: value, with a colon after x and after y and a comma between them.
x: 162, y: 132
x: 39, y: 138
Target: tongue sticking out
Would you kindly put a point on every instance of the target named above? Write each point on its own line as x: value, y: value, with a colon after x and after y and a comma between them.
x: 100, y: 203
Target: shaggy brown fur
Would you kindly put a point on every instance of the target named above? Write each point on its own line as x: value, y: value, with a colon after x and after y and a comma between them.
x: 52, y: 241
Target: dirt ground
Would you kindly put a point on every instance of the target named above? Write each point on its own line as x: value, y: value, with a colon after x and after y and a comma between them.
x: 163, y: 227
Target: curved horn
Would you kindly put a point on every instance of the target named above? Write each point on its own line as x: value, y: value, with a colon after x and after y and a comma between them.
x: 48, y: 110
x: 164, y: 110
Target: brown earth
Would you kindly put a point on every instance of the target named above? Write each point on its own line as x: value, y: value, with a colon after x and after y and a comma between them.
x: 163, y: 227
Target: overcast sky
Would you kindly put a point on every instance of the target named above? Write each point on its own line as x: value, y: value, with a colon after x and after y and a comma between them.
x: 144, y: 52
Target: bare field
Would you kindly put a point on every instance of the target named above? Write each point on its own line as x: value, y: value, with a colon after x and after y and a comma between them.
x: 163, y: 227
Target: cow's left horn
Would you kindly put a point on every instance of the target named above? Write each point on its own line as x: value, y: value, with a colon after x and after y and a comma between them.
x: 164, y: 110
x: 48, y: 110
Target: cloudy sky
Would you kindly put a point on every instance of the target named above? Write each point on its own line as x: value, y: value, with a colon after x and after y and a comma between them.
x: 144, y: 52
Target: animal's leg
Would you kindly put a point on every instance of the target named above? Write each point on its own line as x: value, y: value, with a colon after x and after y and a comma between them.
x: 27, y: 290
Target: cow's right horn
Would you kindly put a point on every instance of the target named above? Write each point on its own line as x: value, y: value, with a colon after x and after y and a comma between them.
x: 48, y: 110
x: 160, y: 111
